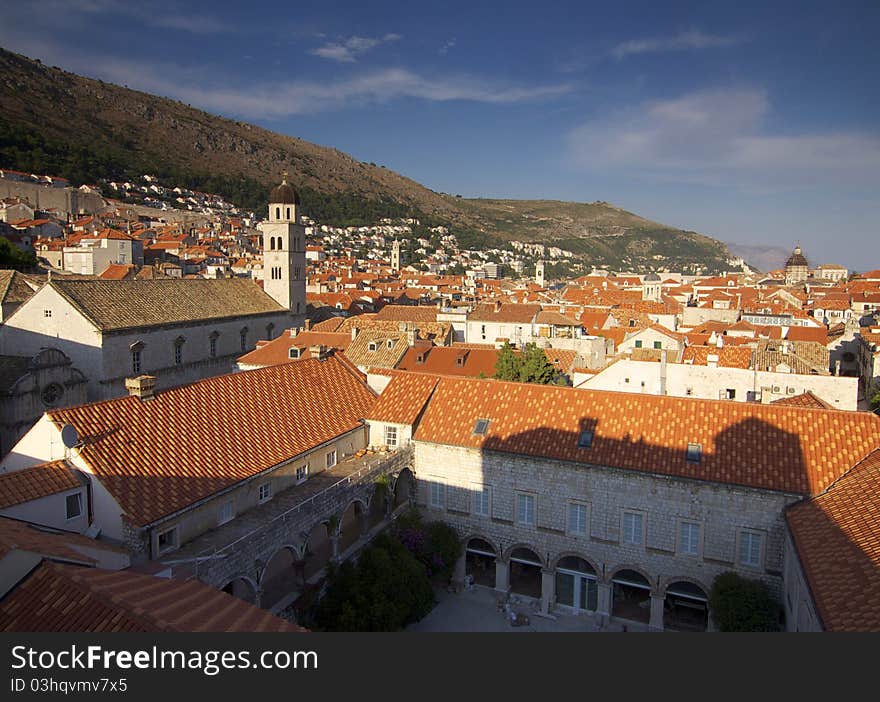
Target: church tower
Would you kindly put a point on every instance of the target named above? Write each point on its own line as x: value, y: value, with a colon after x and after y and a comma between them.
x: 652, y: 288
x: 284, y: 252
x: 539, y: 273
x: 395, y: 256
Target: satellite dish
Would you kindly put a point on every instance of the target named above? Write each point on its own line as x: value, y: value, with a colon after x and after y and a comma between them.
x: 69, y: 436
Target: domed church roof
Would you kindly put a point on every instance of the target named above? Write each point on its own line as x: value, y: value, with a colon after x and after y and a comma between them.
x: 284, y: 194
x: 652, y: 278
x: 797, y: 258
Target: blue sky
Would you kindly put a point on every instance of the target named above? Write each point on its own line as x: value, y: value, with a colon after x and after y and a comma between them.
x: 754, y: 123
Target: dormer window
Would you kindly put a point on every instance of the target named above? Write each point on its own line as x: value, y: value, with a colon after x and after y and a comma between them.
x: 459, y: 361
x: 586, y: 439
x: 694, y: 453
x: 390, y: 343
x: 373, y: 346
x: 420, y: 358
x: 481, y: 427
x: 294, y: 352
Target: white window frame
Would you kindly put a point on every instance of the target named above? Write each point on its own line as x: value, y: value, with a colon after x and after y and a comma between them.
x: 226, y: 512
x: 264, y: 493
x: 391, y: 441
x: 625, y: 532
x: 586, y: 518
x: 680, y: 541
x: 79, y: 502
x: 525, y: 496
x: 481, y: 502
x: 762, y: 540
x: 330, y: 459
x: 176, y: 541
x: 437, y: 494
x: 302, y: 473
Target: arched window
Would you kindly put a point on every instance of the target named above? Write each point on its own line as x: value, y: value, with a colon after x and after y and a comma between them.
x: 270, y: 329
x: 277, y: 213
x: 243, y: 334
x: 178, y: 350
x: 212, y: 347
x: 288, y: 213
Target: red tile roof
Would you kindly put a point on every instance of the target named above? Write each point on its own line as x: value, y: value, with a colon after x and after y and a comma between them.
x: 70, y: 598
x: 805, y: 399
x: 278, y: 350
x: 16, y: 535
x: 837, y: 537
x: 160, y: 455
x: 35, y: 482
x: 764, y: 446
x: 404, y: 398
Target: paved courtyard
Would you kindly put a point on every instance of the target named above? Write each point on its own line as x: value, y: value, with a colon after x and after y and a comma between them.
x: 477, y: 610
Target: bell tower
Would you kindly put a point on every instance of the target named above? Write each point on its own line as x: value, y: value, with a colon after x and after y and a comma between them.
x: 284, y: 251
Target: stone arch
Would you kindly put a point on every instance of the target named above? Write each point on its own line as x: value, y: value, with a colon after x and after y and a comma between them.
x: 378, y: 504
x: 595, y: 565
x: 576, y: 581
x: 631, y: 591
x: 281, y: 575
x: 479, y: 535
x: 636, y: 568
x: 525, y: 570
x: 685, y: 604
x: 242, y: 587
x: 478, y: 564
x: 404, y: 487
x: 317, y: 549
x: 351, y: 524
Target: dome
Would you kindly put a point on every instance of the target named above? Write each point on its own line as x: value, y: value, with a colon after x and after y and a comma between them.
x: 284, y: 194
x: 652, y: 278
x: 797, y: 258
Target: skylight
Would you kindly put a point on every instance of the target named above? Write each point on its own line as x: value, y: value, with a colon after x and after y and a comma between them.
x: 586, y: 440
x: 694, y: 453
x: 481, y: 427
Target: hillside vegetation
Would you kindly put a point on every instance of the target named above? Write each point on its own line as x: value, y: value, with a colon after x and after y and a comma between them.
x: 56, y: 122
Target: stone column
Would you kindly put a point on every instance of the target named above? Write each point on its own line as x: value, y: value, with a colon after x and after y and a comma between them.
x: 656, y: 623
x: 548, y: 589
x: 459, y: 572
x: 334, y: 548
x: 603, y: 601
x: 501, y: 575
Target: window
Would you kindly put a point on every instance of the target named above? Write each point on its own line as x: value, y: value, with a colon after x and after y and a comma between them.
x: 302, y: 472
x: 689, y: 392
x: 372, y: 346
x: 390, y: 343
x: 689, y: 538
x: 438, y: 494
x: 730, y: 394
x: 658, y: 345
x: 391, y: 436
x: 226, y: 513
x: 633, y: 528
x: 586, y: 440
x: 167, y: 540
x: 265, y: 492
x: 481, y: 427
x: 74, y: 505
x: 270, y: 330
x: 638, y: 344
x: 525, y: 509
x: 694, y: 453
x: 243, y: 334
x: 482, y: 500
x: 577, y: 518
x: 178, y: 351
x: 47, y: 313
x: 136, y: 361
x: 750, y: 543
x: 331, y: 458
x: 213, y: 345
x: 294, y: 352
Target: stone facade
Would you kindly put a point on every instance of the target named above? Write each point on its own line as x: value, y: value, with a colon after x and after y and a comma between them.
x: 722, y: 512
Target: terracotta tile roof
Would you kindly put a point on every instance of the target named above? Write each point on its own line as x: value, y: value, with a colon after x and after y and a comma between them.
x: 17, y: 535
x: 407, y: 313
x: 506, y: 312
x: 371, y: 348
x: 555, y: 318
x: 728, y: 356
x: 160, y: 455
x: 69, y: 598
x: 765, y: 446
x: 278, y: 350
x: 117, y: 271
x: 451, y: 360
x: 131, y: 304
x: 329, y: 325
x: 404, y: 398
x: 837, y: 537
x: 38, y: 481
x: 805, y: 399
x: 803, y: 357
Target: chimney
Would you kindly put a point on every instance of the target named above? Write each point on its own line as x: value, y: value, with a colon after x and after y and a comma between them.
x: 141, y: 387
x: 411, y: 334
x: 354, y: 332
x: 318, y: 351
x: 497, y: 306
x: 712, y: 360
x: 307, y: 324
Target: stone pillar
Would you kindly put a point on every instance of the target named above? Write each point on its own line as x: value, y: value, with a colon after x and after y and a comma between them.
x: 603, y: 601
x: 548, y: 589
x: 459, y: 572
x: 656, y: 623
x: 258, y: 596
x: 501, y: 575
x: 334, y: 548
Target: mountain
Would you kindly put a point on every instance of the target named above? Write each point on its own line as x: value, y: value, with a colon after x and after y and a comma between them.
x: 53, y: 121
x: 764, y: 258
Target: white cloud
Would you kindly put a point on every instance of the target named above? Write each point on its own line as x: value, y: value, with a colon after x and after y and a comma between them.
x: 680, y: 42
x: 719, y: 137
x: 161, y: 16
x: 447, y: 46
x: 347, y: 51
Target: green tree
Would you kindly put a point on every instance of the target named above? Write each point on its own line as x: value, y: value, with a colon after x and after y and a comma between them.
x: 13, y: 257
x: 875, y: 402
x: 508, y: 364
x: 741, y: 604
x: 535, y: 368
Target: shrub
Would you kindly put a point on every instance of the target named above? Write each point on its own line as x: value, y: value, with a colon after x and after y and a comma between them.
x: 741, y: 604
x: 435, y: 544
